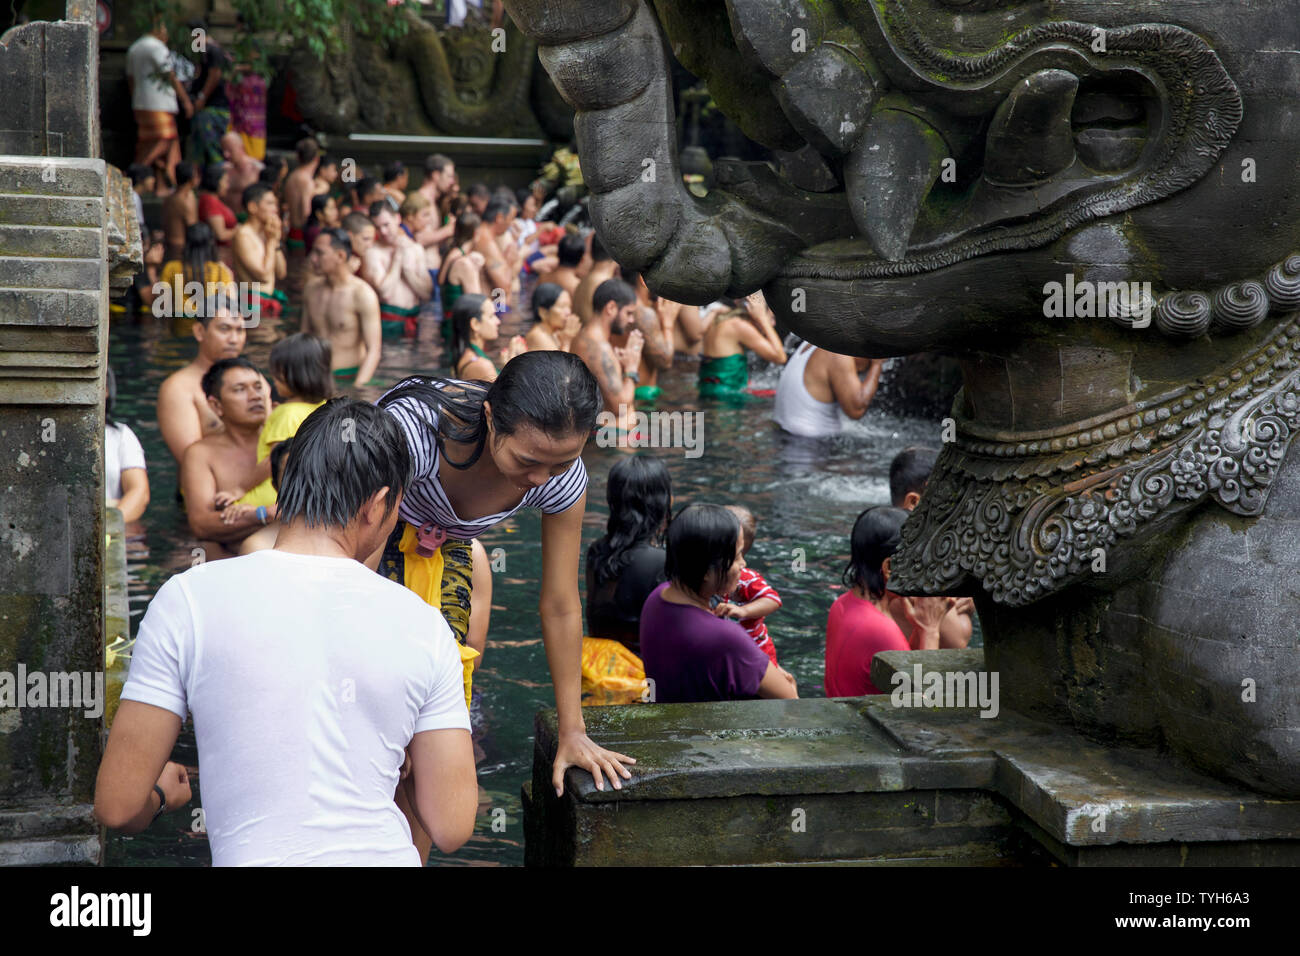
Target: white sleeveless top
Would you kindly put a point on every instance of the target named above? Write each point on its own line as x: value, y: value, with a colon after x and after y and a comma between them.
x: 796, y: 410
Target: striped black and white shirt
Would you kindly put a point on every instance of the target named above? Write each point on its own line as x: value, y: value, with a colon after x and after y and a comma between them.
x: 425, y: 500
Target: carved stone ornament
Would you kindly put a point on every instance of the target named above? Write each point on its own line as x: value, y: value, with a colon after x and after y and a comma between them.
x: 1026, y: 518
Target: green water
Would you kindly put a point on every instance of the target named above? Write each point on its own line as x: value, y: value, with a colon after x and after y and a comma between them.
x: 804, y: 496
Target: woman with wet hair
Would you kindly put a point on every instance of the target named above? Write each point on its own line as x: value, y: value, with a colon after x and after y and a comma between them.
x: 625, y: 565
x: 865, y: 619
x: 690, y: 653
x: 475, y: 324
x: 557, y: 324
x: 480, y: 452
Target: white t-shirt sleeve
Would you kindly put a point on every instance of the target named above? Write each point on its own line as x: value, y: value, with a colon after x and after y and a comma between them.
x: 131, y: 453
x: 163, y: 652
x: 445, y: 707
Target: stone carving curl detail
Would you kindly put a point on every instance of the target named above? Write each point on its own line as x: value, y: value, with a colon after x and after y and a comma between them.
x: 1240, y: 306
x: 1185, y: 314
x: 1283, y: 283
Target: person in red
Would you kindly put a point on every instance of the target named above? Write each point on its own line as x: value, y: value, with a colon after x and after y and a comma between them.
x: 753, y: 599
x: 865, y: 620
x: 214, y: 211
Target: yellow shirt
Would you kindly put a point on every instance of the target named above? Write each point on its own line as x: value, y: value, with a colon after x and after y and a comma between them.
x: 282, y: 423
x: 215, y: 275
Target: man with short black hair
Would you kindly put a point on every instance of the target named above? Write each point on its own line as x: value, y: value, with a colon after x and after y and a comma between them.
x: 396, y: 177
x: 180, y: 210
x: 570, y: 252
x: 613, y: 314
x: 313, y: 691
x: 479, y: 196
x: 395, y: 266
x: 603, y: 267
x: 497, y: 262
x: 184, y: 415
x: 299, y: 188
x: 342, y: 308
x: 259, y: 260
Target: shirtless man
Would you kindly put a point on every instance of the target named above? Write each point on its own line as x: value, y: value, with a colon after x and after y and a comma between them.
x: 439, y: 181
x: 496, y: 264
x: 299, y: 189
x: 242, y: 170
x: 655, y: 320
x: 395, y: 266
x: 184, y: 415
x: 417, y: 222
x: 258, y: 258
x: 218, y: 468
x: 602, y: 268
x: 180, y: 210
x: 396, y: 178
x: 479, y: 196
x: 361, y: 234
x: 614, y: 314
x: 570, y: 253
x: 327, y: 174
x: 343, y: 309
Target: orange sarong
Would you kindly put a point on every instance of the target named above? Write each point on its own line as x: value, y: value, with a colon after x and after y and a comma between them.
x: 153, y: 125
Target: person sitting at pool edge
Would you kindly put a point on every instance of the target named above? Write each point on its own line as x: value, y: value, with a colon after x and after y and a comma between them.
x: 627, y: 563
x: 869, y: 618
x: 689, y: 653
x: 909, y: 473
x: 312, y: 680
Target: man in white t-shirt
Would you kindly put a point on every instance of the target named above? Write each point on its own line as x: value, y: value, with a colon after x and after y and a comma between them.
x: 311, y: 679
x: 156, y: 96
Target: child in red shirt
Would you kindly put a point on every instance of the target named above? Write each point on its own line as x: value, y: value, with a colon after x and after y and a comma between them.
x: 753, y: 598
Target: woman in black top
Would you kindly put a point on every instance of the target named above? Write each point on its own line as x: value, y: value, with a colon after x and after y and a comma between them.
x: 627, y: 564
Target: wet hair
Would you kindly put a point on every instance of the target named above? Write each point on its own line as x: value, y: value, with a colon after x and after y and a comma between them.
x: 435, y: 163
x: 200, y: 249
x: 307, y: 150
x: 254, y: 193
x: 479, y: 190
x: 571, y: 249
x: 748, y: 526
x: 184, y: 172
x: 639, y: 492
x: 393, y: 171
x: 467, y: 308
x: 318, y: 204
x: 611, y: 290
x: 545, y: 296
x: 270, y: 174
x: 139, y: 173
x: 381, y: 205
x: 212, y: 378
x: 700, y: 539
x: 326, y: 162
x: 413, y: 204
x: 495, y: 209
x: 211, y: 180
x: 875, y: 536
x: 598, y: 251
x: 355, y: 222
x: 630, y: 276
x: 278, y: 453
x: 549, y: 390
x: 339, y: 239
x: 522, y: 195
x: 365, y: 187
x: 302, y: 362
x: 467, y: 224
x: 343, y: 453
x: 910, y: 471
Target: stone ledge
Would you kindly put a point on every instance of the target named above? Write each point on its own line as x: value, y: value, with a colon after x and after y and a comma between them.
x: 52, y: 176
x: 49, y: 273
x: 52, y: 211
x: 50, y: 242
x: 50, y: 307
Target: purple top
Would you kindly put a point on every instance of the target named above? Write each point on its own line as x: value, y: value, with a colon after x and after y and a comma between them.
x: 693, y: 656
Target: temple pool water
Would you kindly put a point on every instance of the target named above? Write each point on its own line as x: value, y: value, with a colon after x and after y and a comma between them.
x: 805, y: 499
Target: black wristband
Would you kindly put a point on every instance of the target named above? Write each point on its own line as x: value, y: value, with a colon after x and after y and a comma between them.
x: 162, y: 803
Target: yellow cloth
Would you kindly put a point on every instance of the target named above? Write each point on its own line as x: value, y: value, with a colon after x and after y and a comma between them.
x: 254, y: 146
x: 424, y: 577
x: 215, y: 276
x: 611, y: 674
x: 282, y: 423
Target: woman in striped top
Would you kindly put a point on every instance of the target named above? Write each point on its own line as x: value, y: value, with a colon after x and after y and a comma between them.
x: 479, y: 453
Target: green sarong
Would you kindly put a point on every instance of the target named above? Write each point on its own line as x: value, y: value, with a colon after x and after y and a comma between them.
x: 648, y: 393
x: 726, y: 376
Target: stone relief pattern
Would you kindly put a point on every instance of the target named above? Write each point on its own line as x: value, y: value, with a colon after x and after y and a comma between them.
x: 1028, y: 526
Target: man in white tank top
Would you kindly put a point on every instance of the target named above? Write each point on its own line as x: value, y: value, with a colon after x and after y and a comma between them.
x: 817, y: 385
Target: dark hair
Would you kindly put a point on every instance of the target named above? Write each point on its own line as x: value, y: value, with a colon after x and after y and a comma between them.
x: 354, y: 222
x: 467, y: 224
x: 184, y: 172
x: 381, y: 205
x: 630, y: 276
x: 639, y: 492
x: 611, y: 290
x: 479, y: 189
x: 343, y: 453
x: 270, y: 174
x: 495, y: 209
x: 365, y: 186
x: 875, y: 537
x: 909, y: 471
x: 212, y: 378
x: 110, y: 396
x: 200, y: 249
x: 393, y: 171
x: 545, y: 296
x: 339, y: 239
x: 598, y: 251
x: 278, y: 452
x: 139, y: 172
x: 318, y: 204
x: 254, y: 193
x: 218, y: 301
x: 571, y: 249
x: 212, y: 174
x: 549, y: 390
x: 436, y: 163
x: 302, y: 362
x: 307, y: 150
x: 467, y: 308
x: 701, y: 538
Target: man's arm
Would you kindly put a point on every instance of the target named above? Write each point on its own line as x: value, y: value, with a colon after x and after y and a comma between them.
x: 367, y: 306
x: 414, y: 271
x: 446, y: 788
x: 135, y: 759
x: 494, y: 263
x: 177, y: 420
x: 135, y: 498
x: 615, y: 387
x: 260, y: 264
x: 200, y: 486
x: 852, y: 394
x: 760, y: 342
x: 658, y: 349
x: 181, y: 96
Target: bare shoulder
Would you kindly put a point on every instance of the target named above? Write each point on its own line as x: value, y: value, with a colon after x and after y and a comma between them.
x: 363, y: 293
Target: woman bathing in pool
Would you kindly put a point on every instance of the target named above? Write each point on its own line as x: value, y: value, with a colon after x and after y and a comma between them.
x: 479, y: 453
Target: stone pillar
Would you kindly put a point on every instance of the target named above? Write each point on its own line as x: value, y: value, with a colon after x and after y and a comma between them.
x: 65, y: 240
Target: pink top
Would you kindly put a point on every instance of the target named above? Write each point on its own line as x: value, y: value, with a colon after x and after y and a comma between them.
x: 856, y: 631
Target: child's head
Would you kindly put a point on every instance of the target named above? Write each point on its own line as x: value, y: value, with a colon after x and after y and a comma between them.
x: 142, y: 177
x: 301, y: 364
x: 908, y: 474
x: 874, y: 539
x: 279, y: 452
x: 747, y: 526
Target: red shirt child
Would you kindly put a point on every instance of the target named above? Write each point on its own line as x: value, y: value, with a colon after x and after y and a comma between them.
x: 750, y: 591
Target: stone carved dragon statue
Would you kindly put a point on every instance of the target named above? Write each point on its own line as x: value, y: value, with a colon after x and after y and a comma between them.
x: 1119, y: 492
